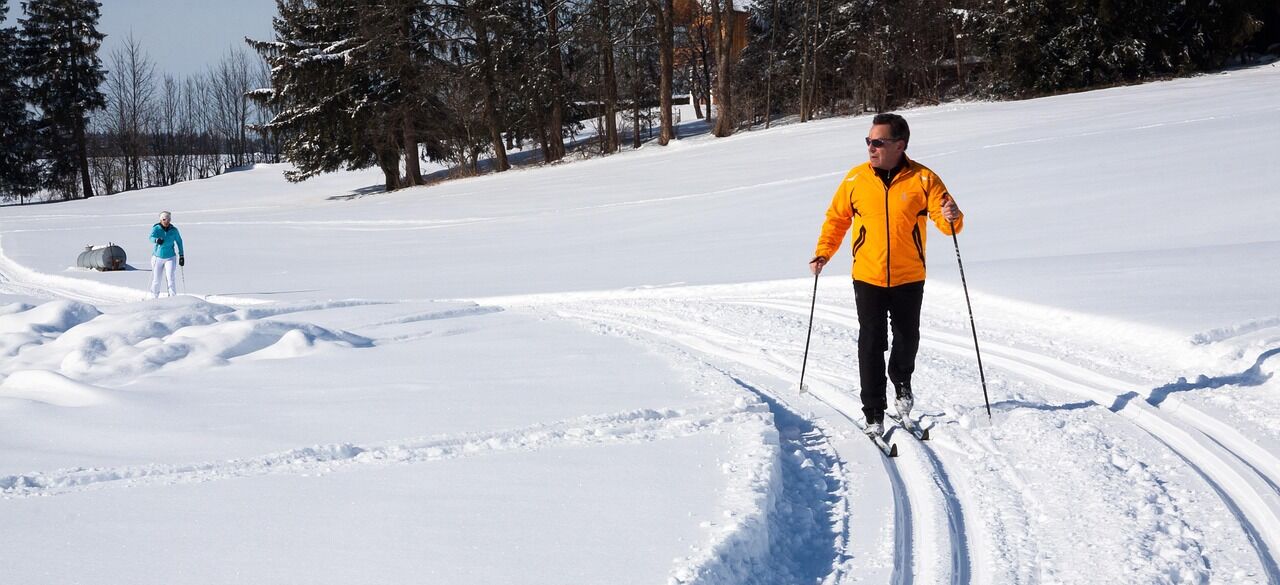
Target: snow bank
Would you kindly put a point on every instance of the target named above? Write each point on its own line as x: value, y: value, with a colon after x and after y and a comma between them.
x: 79, y: 342
x: 51, y: 388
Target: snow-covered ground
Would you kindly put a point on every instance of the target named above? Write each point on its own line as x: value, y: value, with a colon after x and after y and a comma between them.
x: 587, y: 373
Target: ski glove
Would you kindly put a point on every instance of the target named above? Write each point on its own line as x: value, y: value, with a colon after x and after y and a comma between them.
x: 159, y: 241
x: 182, y: 260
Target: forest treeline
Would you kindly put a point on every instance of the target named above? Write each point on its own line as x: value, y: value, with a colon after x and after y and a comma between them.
x: 350, y: 84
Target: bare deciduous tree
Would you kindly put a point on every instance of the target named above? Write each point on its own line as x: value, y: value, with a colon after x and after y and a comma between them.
x: 130, y: 90
x: 229, y: 84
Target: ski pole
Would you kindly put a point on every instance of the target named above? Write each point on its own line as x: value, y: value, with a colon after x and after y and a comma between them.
x: 183, y: 270
x: 809, y: 335
x: 972, y: 327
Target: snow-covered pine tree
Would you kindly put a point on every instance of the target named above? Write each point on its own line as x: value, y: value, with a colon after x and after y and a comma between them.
x: 352, y: 83
x: 59, y: 42
x: 1037, y: 46
x: 403, y: 56
x: 321, y: 94
x: 18, y: 176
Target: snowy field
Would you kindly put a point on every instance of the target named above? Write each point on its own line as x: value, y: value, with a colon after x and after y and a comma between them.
x: 586, y: 373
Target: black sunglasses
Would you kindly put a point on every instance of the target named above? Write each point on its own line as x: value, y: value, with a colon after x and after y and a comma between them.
x: 880, y: 142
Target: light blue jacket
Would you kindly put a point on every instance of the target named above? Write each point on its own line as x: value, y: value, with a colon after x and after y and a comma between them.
x: 170, y: 237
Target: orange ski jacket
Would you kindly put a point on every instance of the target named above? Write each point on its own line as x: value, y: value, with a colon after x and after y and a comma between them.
x: 888, y: 222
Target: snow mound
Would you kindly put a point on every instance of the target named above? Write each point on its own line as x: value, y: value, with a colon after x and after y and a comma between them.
x: 46, y: 319
x: 12, y: 308
x: 51, y: 388
x: 234, y: 339
x: 739, y: 547
x: 294, y: 343
x: 132, y: 340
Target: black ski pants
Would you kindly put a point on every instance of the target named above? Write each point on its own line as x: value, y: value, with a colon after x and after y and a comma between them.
x: 877, y: 306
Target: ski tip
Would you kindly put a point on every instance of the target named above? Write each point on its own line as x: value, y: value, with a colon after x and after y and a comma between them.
x: 924, y: 434
x: 893, y: 450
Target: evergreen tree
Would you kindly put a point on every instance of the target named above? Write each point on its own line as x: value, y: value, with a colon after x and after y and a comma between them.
x: 320, y: 96
x: 17, y: 155
x: 353, y: 81
x: 483, y: 30
x: 59, y: 51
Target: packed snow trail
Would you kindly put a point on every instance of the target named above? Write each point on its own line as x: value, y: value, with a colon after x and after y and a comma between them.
x: 916, y: 525
x: 1249, y: 489
x: 755, y: 331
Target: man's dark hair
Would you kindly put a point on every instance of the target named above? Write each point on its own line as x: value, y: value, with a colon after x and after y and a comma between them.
x: 897, y: 126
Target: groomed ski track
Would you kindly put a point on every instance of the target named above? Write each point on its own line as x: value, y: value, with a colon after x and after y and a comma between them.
x: 944, y: 528
x: 923, y: 498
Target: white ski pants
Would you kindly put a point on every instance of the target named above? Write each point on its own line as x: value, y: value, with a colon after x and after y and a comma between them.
x: 163, y: 267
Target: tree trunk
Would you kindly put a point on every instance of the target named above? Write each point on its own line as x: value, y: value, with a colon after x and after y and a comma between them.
x: 555, y: 118
x: 705, y: 53
x: 768, y: 83
x: 495, y: 131
x: 492, y: 119
x: 666, y: 59
x: 610, y: 80
x: 635, y: 126
x: 611, y: 140
x: 722, y: 20
x: 389, y: 162
x: 412, y: 168
x: 545, y: 143
x: 82, y: 151
x: 813, y: 63
x: 804, y: 64
x: 695, y: 88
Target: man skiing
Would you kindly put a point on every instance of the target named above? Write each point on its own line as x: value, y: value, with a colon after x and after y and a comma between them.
x: 886, y: 200
x: 165, y: 236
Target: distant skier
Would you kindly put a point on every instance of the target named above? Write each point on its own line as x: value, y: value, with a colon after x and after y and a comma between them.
x: 886, y: 200
x: 165, y: 236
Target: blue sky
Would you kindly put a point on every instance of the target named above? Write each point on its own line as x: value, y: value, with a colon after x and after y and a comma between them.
x: 182, y: 37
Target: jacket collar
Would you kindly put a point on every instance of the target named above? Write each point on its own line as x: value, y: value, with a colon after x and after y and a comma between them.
x: 905, y: 165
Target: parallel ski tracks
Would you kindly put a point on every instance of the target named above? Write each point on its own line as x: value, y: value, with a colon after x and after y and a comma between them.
x: 923, y: 495
x: 1242, y: 473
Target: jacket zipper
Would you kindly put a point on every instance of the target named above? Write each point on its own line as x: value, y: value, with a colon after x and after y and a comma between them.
x: 888, y: 240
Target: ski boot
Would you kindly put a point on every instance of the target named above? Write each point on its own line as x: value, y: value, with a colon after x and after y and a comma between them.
x: 903, y: 398
x: 875, y: 427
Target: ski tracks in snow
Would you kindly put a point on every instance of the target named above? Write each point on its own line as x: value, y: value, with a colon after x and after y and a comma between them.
x: 923, y: 519
x: 627, y: 427
x: 1240, y: 471
x: 972, y: 505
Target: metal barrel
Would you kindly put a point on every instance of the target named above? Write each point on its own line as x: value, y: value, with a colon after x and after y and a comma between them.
x: 109, y: 257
